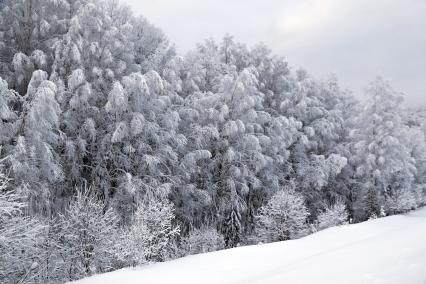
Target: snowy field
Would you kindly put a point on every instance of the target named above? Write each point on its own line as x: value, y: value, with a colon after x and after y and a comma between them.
x: 387, y: 250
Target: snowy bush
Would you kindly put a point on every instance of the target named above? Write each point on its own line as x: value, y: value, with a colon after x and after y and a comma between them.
x: 203, y: 240
x: 150, y: 234
x: 401, y: 201
x: 87, y: 235
x: 334, y: 215
x: 282, y: 218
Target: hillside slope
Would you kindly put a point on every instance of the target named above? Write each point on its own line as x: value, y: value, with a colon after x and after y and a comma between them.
x: 387, y: 250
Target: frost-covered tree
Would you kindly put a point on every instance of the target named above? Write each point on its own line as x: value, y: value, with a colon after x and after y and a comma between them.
x: 383, y: 162
x: 415, y: 140
x: 35, y: 160
x: 21, y: 237
x: 315, y: 157
x: 10, y: 104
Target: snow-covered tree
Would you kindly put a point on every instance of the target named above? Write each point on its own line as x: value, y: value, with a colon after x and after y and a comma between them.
x: 35, y: 160
x: 21, y: 237
x: 383, y: 162
x: 9, y: 112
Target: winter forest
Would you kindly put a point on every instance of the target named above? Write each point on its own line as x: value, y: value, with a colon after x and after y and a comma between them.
x: 116, y: 151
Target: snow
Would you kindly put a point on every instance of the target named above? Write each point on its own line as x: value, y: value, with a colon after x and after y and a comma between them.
x: 387, y: 250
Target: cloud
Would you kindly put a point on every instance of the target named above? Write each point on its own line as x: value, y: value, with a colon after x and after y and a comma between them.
x: 305, y: 16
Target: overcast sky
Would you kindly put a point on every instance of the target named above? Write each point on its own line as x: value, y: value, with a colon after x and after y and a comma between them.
x: 355, y: 39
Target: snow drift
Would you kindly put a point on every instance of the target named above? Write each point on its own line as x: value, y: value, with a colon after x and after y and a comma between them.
x: 386, y: 250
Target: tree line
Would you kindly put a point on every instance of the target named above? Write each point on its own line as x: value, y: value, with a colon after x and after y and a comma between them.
x: 117, y: 151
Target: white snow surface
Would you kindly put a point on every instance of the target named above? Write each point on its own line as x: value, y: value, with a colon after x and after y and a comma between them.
x: 387, y: 250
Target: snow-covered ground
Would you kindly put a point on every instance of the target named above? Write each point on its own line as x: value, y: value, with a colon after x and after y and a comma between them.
x: 387, y: 250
